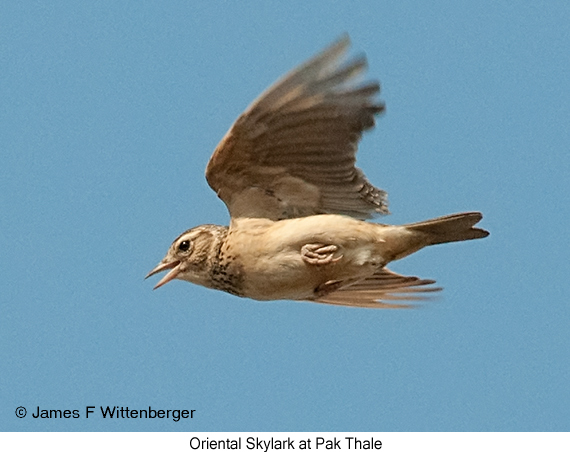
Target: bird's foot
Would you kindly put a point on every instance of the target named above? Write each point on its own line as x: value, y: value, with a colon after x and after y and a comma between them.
x: 319, y: 254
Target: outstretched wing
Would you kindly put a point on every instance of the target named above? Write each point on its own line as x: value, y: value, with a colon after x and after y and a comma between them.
x: 292, y: 152
x: 384, y: 289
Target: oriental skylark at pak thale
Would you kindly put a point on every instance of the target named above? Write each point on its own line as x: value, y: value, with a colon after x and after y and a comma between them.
x: 285, y: 171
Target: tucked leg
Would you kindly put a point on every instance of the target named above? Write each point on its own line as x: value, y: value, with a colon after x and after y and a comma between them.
x: 319, y: 254
x: 327, y: 288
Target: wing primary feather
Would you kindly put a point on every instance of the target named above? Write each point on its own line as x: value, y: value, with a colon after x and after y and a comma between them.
x: 305, y: 72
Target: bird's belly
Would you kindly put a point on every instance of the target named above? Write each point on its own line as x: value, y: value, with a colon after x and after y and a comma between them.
x: 271, y: 262
x: 271, y: 277
x: 290, y: 277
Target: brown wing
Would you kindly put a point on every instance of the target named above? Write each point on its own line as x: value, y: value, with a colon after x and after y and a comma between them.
x: 292, y: 152
x: 384, y: 285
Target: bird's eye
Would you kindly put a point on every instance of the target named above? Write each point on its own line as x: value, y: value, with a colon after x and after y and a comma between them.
x: 184, y: 246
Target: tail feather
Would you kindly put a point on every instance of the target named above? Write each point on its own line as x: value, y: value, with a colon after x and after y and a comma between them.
x: 451, y: 228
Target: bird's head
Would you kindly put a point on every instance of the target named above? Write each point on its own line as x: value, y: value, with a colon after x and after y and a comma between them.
x: 191, y: 255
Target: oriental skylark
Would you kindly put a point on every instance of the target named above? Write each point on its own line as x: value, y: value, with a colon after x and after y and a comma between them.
x: 285, y: 171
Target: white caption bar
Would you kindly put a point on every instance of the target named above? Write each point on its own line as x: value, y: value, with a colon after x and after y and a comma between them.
x: 269, y: 442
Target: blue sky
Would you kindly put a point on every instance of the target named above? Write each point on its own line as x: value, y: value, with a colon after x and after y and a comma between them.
x: 109, y: 113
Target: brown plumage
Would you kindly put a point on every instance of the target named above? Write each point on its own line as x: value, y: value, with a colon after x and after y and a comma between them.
x: 286, y: 172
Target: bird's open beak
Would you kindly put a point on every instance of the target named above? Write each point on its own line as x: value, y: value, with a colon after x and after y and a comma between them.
x: 175, y: 266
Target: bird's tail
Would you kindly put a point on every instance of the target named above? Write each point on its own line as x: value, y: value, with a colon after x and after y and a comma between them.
x: 450, y: 228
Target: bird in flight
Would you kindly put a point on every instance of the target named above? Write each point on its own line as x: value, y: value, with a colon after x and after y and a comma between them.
x: 286, y: 172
